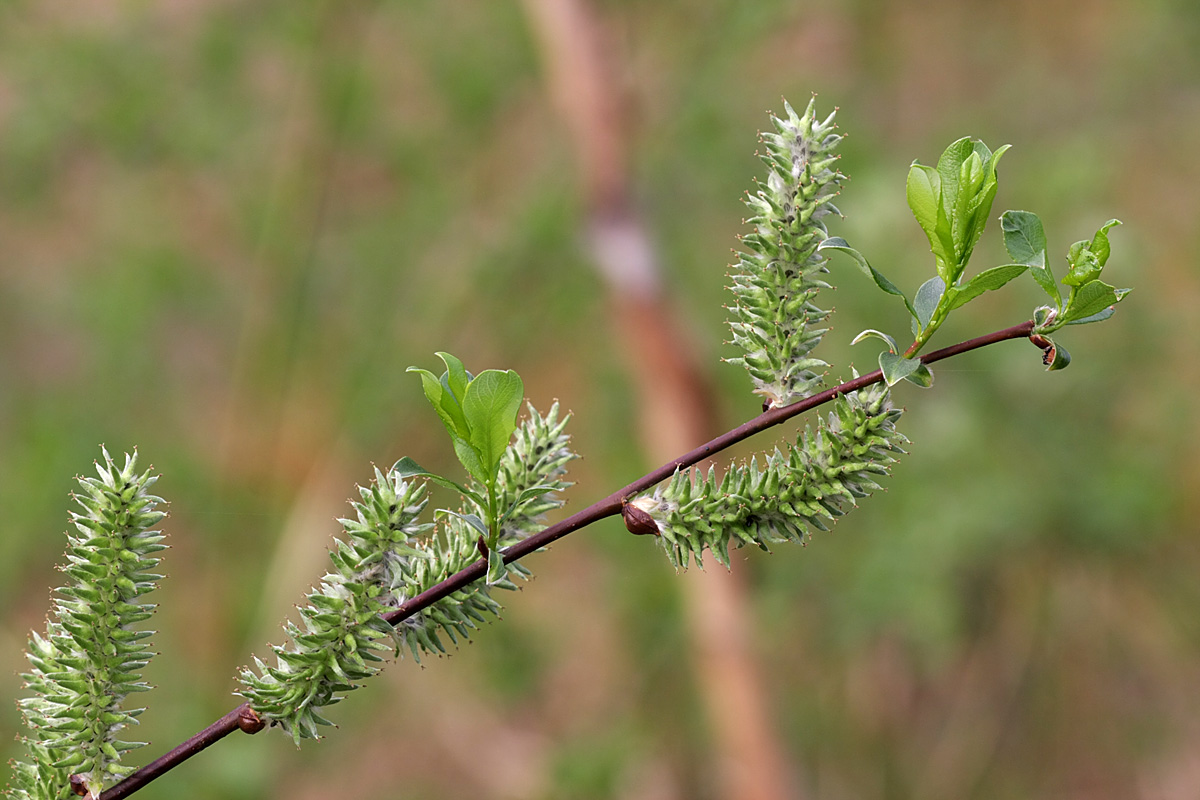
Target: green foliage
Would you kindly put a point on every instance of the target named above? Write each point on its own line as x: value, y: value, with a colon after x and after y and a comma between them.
x: 480, y: 414
x: 776, y: 276
x: 1089, y: 299
x: 89, y: 659
x: 814, y: 481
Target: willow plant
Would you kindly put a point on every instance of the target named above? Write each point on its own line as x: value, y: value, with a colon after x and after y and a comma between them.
x: 403, y: 579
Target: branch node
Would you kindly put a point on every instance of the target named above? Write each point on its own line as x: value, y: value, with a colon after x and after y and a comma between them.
x: 249, y: 721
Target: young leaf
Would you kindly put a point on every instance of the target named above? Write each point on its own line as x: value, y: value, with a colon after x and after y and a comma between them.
x: 950, y: 168
x: 921, y: 376
x: 896, y: 367
x: 491, y: 404
x: 926, y: 299
x: 978, y: 208
x: 456, y: 377
x: 408, y: 468
x: 1088, y: 258
x: 1025, y: 240
x: 1024, y: 237
x: 443, y: 400
x: 472, y: 460
x: 871, y: 332
x: 1099, y: 316
x: 925, y: 199
x: 1090, y: 300
x: 985, y: 281
x: 1100, y: 244
x: 841, y: 245
x: 1084, y: 267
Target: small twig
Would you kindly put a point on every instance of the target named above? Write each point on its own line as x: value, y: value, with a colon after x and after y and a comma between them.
x: 245, y: 719
x: 241, y: 718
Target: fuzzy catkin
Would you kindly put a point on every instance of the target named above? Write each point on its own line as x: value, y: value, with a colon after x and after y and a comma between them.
x: 90, y: 658
x: 341, y: 635
x: 777, y: 274
x: 812, y: 482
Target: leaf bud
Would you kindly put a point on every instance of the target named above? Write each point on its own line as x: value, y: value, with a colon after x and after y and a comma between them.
x: 638, y: 521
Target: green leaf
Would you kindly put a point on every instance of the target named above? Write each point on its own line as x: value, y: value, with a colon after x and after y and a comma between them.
x: 970, y: 182
x: 841, y: 245
x: 408, y: 468
x: 871, y: 332
x: 1100, y: 246
x: 979, y: 207
x: 496, y: 573
x: 1024, y: 237
x: 985, y: 281
x: 1087, y: 259
x: 1099, y: 316
x: 896, y: 367
x: 471, y: 460
x: 923, y: 191
x: 456, y: 377
x: 1025, y: 240
x: 491, y: 404
x: 1084, y: 267
x: 444, y: 402
x: 927, y: 298
x: 950, y: 168
x: 921, y: 376
x: 1091, y: 299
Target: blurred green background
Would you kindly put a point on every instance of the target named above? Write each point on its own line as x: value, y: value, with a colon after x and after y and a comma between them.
x: 227, y: 227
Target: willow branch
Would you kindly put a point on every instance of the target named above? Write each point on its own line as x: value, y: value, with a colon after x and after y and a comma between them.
x: 610, y: 506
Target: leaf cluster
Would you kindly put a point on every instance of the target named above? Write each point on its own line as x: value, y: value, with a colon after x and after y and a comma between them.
x: 1089, y: 299
x: 90, y: 658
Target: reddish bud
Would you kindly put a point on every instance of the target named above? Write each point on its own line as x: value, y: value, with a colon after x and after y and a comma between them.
x: 638, y: 522
x: 249, y: 721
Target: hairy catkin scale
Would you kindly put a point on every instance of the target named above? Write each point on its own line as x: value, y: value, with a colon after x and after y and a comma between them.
x: 776, y: 276
x: 91, y: 656
x: 386, y: 558
x: 816, y: 480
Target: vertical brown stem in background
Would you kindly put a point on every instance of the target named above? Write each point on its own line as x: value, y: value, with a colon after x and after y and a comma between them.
x: 672, y: 392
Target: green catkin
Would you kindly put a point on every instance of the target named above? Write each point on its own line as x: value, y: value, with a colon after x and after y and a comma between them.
x: 342, y: 635
x: 89, y: 659
x: 777, y: 275
x: 809, y: 485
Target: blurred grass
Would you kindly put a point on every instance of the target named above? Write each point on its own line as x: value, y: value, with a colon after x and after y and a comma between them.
x: 227, y: 227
